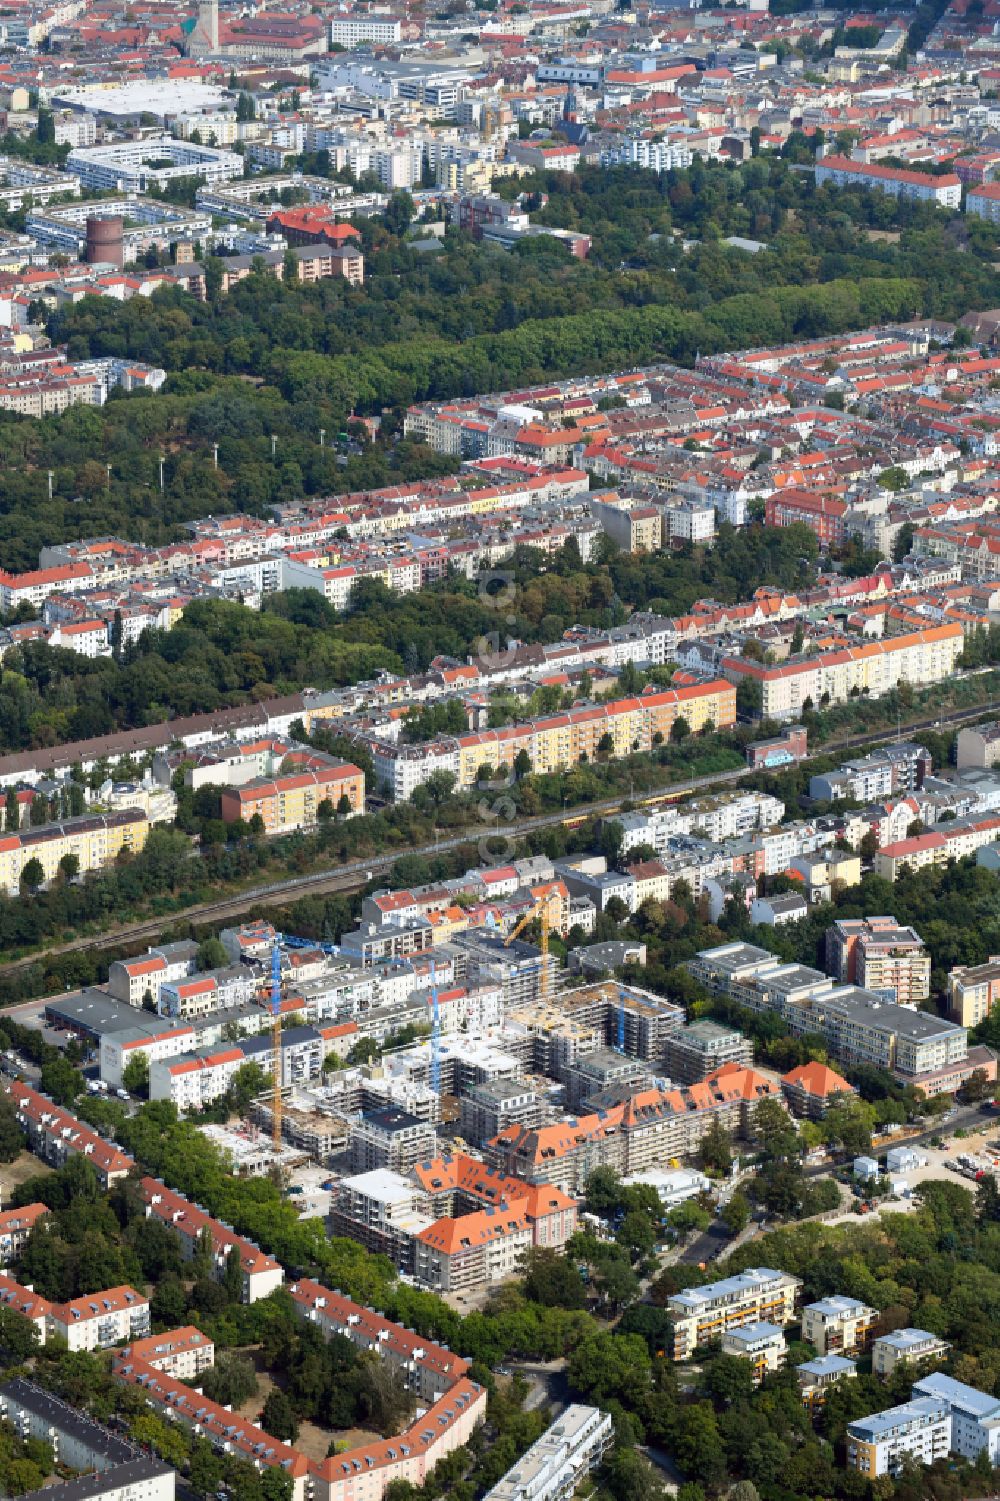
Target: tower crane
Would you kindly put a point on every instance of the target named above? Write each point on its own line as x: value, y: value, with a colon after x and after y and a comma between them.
x: 541, y: 910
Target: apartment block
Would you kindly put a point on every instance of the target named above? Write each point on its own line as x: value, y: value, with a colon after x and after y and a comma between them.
x: 224, y: 1429
x: 873, y: 669
x: 763, y: 1345
x: 812, y: 1088
x: 859, y: 1026
x: 55, y: 1135
x: 15, y: 1227
x: 815, y: 1377
x: 975, y: 1415
x: 558, y: 742
x: 555, y: 1465
x: 758, y: 1295
x: 973, y: 991
x: 93, y: 839
x: 286, y: 803
x: 692, y: 1052
x: 106, y: 1467
x: 880, y: 955
x: 101, y: 1319
x: 978, y: 746
x: 184, y: 1353
x: 95, y: 1322
x: 390, y: 1138
x: 905, y: 1346
x: 919, y: 1430
x: 948, y: 841
x: 838, y: 1325
x: 645, y: 1131
x: 261, y: 1273
x: 897, y: 182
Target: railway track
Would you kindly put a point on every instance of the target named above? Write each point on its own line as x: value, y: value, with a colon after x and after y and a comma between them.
x: 358, y: 873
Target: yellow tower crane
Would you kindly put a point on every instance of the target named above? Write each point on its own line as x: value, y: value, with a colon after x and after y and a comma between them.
x: 541, y: 910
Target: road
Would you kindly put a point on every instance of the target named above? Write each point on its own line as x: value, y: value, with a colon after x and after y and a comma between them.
x: 355, y: 875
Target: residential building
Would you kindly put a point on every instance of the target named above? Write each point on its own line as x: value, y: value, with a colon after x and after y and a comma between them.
x: 224, y: 1429
x: 975, y: 1415
x: 15, y: 1227
x: 887, y: 772
x: 812, y: 1088
x: 875, y: 668
x: 838, y: 1325
x: 101, y: 1319
x: 184, y: 1353
x: 644, y: 1131
x: 978, y: 745
x: 815, y: 1377
x: 880, y: 955
x: 694, y: 1051
x: 775, y: 911
x: 93, y: 840
x: 973, y: 991
x: 290, y: 802
x: 55, y: 1135
x: 261, y: 1273
x: 553, y: 1468
x: 919, y: 1430
x: 842, y: 171
x: 762, y: 1344
x: 758, y: 1295
x: 105, y: 1466
x: 390, y: 1138
x: 906, y: 1346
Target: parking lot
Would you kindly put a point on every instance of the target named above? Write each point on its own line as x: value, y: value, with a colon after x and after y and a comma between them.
x: 941, y: 1164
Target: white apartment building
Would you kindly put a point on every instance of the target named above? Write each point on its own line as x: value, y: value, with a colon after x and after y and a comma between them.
x: 182, y: 1353
x: 350, y: 29
x: 100, y: 1319
x: 890, y: 1350
x: 838, y: 1325
x: 762, y: 1344
x: 130, y: 980
x: 975, y: 1415
x: 843, y: 172
x: 554, y: 1466
x: 877, y: 1445
x: 758, y: 1295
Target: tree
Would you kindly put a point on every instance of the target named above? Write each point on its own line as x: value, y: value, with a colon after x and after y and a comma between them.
x: 232, y: 1277
x: 869, y: 846
x: 12, y: 1138
x: 12, y: 811
x: 32, y: 874
x: 736, y: 1213
x: 46, y: 129
x: 552, y: 1280
x: 232, y: 1380
x: 135, y: 1075
x: 716, y: 1149
x: 326, y: 811
x: 399, y: 213
x: 522, y: 764
x: 211, y: 954
x: 637, y: 1233
x: 60, y: 1080
x: 628, y: 1476
x: 773, y: 1128
x: 278, y: 1417
x: 69, y: 866
x: 679, y: 730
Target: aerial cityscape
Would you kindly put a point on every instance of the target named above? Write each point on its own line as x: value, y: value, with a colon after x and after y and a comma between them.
x: 499, y: 750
